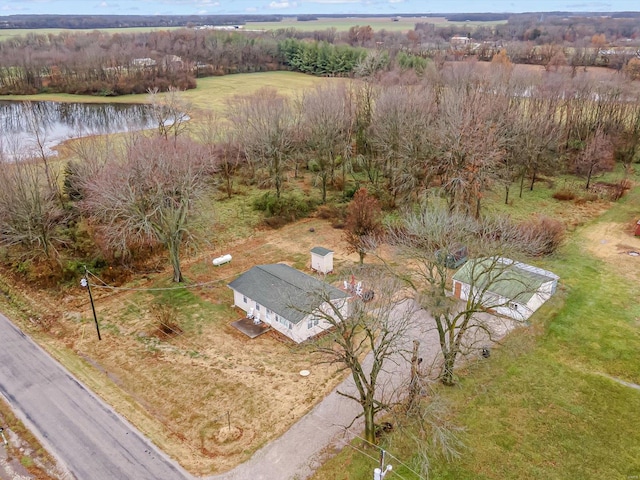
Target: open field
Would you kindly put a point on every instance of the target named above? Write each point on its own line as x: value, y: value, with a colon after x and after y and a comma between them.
x: 211, y: 92
x: 6, y: 34
x: 550, y: 402
x: 343, y: 24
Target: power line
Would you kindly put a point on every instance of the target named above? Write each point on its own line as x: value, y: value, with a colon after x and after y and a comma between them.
x: 148, y: 289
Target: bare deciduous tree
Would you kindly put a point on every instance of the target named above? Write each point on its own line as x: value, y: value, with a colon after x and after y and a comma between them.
x: 263, y: 124
x: 328, y: 125
x: 225, y: 154
x: 400, y: 137
x: 596, y: 157
x: 37, y: 129
x: 365, y: 341
x: 30, y: 213
x: 171, y: 112
x: 425, y: 238
x: 150, y: 195
x: 90, y: 155
x: 469, y: 135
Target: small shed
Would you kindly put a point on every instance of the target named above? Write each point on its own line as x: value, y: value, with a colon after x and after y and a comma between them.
x: 637, y: 233
x: 322, y: 260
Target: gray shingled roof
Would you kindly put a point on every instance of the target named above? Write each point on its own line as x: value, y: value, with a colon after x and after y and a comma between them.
x: 279, y: 287
x: 321, y: 251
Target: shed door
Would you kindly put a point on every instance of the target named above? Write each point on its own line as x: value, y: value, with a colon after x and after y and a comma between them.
x: 457, y: 286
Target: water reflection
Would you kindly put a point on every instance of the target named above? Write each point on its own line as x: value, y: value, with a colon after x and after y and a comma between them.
x: 24, y: 126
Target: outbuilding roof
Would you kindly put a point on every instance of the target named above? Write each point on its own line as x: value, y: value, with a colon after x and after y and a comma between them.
x: 321, y: 251
x: 286, y: 291
x: 504, y: 277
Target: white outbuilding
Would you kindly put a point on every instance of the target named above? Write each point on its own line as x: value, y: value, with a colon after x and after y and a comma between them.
x: 322, y: 260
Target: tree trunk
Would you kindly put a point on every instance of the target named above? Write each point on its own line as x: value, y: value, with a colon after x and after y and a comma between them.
x: 324, y: 187
x: 369, y: 423
x: 506, y: 196
x: 174, y: 256
x: 361, y: 254
x: 589, y: 177
x: 533, y: 180
x: 414, y: 382
x: 447, y: 377
x: 229, y: 185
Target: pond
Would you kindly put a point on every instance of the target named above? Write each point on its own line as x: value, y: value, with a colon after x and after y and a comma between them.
x: 26, y: 125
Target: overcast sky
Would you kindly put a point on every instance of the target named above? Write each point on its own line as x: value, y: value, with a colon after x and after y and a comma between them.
x: 212, y: 7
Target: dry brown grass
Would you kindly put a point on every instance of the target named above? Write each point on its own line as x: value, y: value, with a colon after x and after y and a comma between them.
x: 613, y: 242
x: 209, y: 396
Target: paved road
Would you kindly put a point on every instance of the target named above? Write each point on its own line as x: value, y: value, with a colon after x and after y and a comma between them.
x: 81, y: 431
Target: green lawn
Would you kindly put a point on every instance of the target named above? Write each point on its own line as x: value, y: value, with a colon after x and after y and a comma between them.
x: 544, y: 405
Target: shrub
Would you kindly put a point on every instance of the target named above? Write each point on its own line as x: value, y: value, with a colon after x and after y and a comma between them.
x: 166, y: 324
x: 564, y: 195
x: 313, y: 166
x: 547, y: 232
x: 289, y: 207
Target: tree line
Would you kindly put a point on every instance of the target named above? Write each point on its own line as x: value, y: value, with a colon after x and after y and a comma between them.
x: 101, y: 63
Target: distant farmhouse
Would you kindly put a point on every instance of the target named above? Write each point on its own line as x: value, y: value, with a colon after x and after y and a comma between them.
x: 509, y: 288
x: 459, y: 40
x: 286, y: 298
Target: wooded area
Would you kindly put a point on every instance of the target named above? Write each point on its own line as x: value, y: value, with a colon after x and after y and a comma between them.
x: 101, y: 63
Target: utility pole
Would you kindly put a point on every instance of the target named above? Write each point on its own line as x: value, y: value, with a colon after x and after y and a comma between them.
x: 4, y: 439
x: 85, y: 283
x: 414, y: 383
x: 380, y: 472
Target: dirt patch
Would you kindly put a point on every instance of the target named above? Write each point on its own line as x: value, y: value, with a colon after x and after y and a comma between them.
x: 616, y: 244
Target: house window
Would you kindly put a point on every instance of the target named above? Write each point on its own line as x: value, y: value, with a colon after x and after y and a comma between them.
x: 244, y: 299
x: 257, y: 307
x: 312, y: 322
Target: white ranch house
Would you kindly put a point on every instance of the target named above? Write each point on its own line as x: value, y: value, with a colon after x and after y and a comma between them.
x: 509, y: 288
x: 281, y: 296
